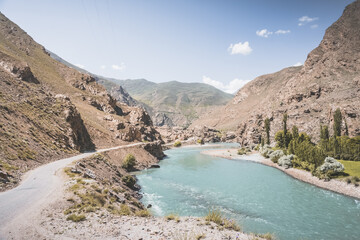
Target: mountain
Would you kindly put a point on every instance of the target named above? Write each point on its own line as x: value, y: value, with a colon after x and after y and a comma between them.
x: 173, y: 103
x: 169, y: 103
x: 49, y: 110
x: 116, y: 91
x: 329, y: 79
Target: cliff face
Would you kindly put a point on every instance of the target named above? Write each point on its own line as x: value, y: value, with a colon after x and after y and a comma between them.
x: 309, y: 94
x: 49, y: 110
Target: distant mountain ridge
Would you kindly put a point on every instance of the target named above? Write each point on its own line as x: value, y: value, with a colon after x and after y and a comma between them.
x: 309, y: 94
x: 169, y: 103
x: 174, y: 103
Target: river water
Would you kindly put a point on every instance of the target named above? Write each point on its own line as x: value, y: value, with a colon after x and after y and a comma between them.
x: 262, y: 199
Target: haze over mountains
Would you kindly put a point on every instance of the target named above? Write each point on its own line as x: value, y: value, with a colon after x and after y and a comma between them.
x: 169, y: 104
x: 309, y: 94
x: 173, y: 103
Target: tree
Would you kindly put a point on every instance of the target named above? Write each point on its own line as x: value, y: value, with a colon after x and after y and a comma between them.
x: 324, y: 132
x: 346, y: 128
x: 337, y: 122
x: 295, y: 132
x: 324, y: 138
x: 267, y: 130
x: 336, y: 147
x: 285, y: 139
x: 129, y: 162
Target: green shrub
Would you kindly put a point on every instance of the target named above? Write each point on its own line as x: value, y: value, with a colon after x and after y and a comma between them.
x: 200, y: 141
x: 177, y: 144
x: 276, y: 155
x: 128, y: 180
x: 76, y: 218
x: 241, y: 151
x: 129, y: 162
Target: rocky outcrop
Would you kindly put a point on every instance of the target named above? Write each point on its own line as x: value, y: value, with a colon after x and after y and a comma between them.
x: 18, y: 69
x: 79, y: 137
x: 155, y: 149
x: 309, y: 94
x: 49, y: 111
x: 161, y: 119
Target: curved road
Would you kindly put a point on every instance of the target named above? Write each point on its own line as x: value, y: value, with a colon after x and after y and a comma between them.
x: 37, y: 185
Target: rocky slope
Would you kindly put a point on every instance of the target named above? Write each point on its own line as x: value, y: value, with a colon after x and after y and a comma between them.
x: 309, y: 94
x: 170, y: 103
x: 48, y: 110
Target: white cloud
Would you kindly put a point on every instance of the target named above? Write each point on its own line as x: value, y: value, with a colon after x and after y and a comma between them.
x: 232, y: 87
x: 297, y: 64
x: 240, y: 48
x: 80, y: 65
x: 263, y: 33
x: 314, y: 26
x: 102, y: 66
x: 120, y: 67
x: 305, y: 19
x: 280, y: 31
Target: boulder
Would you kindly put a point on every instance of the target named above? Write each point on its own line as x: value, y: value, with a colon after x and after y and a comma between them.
x: 4, y: 177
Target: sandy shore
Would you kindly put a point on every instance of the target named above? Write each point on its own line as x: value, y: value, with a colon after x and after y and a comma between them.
x: 334, y: 185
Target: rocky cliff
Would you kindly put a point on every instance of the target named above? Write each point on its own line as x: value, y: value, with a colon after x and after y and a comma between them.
x: 329, y: 79
x: 49, y: 110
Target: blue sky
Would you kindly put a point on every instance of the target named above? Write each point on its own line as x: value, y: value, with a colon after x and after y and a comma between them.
x: 224, y: 43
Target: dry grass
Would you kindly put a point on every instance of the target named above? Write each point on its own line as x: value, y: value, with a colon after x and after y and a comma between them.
x: 216, y: 217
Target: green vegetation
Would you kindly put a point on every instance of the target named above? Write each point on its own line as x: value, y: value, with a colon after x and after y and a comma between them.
x: 319, y: 158
x: 129, y: 162
x: 285, y: 137
x: 216, y: 217
x: 200, y: 141
x: 241, y: 151
x: 177, y: 144
x: 129, y: 181
x: 352, y: 168
x: 76, y: 218
x: 337, y: 122
x: 267, y: 130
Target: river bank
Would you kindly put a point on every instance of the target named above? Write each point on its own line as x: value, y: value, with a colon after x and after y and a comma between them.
x: 333, y: 185
x: 47, y: 218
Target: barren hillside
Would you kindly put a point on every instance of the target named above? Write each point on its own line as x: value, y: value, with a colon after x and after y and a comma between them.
x: 309, y: 94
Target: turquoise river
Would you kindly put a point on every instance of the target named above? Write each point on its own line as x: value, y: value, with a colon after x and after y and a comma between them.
x: 262, y: 199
